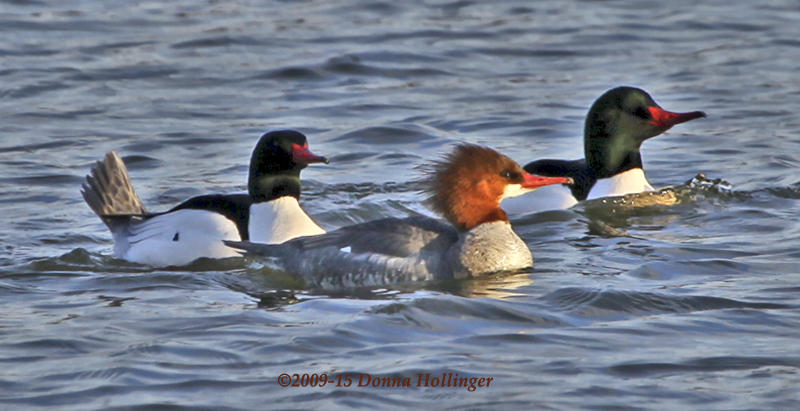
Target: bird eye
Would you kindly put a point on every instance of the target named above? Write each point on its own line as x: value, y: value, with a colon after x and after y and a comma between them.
x: 511, y: 175
x: 641, y: 112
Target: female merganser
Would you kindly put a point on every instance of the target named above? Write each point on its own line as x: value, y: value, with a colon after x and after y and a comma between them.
x: 466, y: 187
x: 616, y: 126
x: 269, y: 213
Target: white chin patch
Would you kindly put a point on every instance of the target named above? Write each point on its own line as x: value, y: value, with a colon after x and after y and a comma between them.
x: 514, y: 190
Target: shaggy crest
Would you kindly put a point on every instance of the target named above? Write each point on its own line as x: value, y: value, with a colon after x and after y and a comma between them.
x: 465, y: 186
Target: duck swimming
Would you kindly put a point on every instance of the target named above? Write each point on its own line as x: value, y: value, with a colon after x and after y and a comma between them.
x: 617, y: 124
x: 269, y: 213
x: 466, y: 187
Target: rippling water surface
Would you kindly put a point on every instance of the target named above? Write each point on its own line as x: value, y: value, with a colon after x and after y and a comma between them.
x: 691, y: 305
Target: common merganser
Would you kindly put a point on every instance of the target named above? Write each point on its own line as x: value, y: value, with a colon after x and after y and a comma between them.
x: 616, y: 126
x: 269, y: 213
x: 466, y: 187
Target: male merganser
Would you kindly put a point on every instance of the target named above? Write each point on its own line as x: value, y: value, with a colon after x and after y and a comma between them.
x: 466, y: 187
x: 616, y: 126
x: 269, y: 213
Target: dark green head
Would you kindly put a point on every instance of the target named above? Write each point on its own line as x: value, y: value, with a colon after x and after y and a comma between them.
x: 276, y: 163
x: 618, y: 123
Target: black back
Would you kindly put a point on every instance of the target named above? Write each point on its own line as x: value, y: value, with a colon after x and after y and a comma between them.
x: 577, y: 169
x: 235, y: 207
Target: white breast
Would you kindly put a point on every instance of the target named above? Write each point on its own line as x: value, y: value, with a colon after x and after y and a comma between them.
x: 627, y: 182
x: 279, y: 220
x: 176, y: 238
x: 488, y: 248
x: 552, y: 197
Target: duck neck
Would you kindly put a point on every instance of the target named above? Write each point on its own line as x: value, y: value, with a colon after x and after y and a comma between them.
x: 269, y: 187
x: 472, y: 214
x: 613, y: 164
x: 609, y: 155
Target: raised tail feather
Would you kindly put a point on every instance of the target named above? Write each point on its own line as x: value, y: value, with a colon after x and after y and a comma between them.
x: 109, y: 192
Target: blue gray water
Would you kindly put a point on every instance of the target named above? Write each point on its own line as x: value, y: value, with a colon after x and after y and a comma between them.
x: 693, y: 305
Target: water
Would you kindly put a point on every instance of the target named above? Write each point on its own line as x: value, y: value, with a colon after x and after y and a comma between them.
x: 691, y: 305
